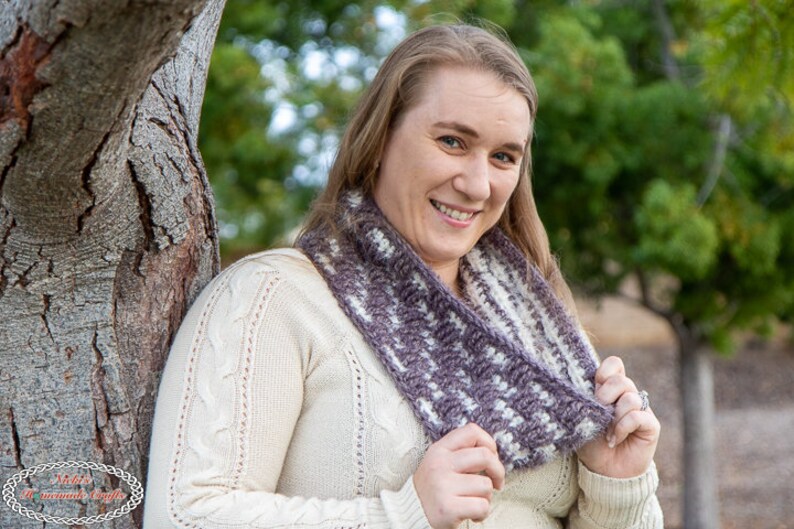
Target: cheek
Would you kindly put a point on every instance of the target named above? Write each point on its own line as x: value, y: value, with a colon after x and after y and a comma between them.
x: 504, y: 189
x: 501, y: 194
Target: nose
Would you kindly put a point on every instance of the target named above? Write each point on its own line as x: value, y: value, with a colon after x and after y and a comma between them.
x: 474, y: 178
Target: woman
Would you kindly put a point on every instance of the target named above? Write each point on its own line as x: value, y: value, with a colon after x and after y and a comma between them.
x: 408, y: 364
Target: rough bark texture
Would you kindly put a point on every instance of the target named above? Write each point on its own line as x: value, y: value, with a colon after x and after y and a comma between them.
x: 107, y: 229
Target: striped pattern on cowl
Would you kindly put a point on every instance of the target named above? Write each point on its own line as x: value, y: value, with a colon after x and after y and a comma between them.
x: 509, y: 358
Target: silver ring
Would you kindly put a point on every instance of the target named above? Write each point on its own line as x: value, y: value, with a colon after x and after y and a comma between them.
x: 646, y: 402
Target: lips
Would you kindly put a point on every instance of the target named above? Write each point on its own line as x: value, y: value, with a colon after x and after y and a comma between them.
x: 456, y: 214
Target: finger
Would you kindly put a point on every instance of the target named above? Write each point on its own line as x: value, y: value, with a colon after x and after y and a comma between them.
x: 472, y: 460
x: 455, y: 509
x: 467, y: 436
x: 642, y: 424
x: 470, y: 508
x: 609, y: 367
x: 613, y: 389
x: 627, y: 402
x: 480, y: 459
x: 473, y: 485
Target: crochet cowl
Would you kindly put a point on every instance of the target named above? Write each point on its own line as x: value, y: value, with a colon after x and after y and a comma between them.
x: 508, y: 357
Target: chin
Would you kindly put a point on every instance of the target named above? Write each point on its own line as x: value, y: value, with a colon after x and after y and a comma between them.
x: 449, y: 255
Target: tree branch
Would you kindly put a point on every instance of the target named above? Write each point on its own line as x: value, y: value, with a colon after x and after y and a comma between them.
x: 667, y: 32
x: 645, y: 297
x: 717, y: 160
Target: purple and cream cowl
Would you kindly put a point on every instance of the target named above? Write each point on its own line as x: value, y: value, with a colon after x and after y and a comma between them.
x: 507, y: 357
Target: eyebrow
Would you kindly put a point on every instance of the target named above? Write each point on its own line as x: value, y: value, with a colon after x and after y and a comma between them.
x: 468, y: 131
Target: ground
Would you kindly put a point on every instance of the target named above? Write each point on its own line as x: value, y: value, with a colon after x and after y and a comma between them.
x: 754, y: 395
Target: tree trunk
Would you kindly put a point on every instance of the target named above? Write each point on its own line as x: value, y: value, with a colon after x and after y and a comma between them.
x: 107, y: 228
x: 701, y: 508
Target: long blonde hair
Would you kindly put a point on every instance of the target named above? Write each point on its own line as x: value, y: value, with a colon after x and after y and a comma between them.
x: 396, y: 88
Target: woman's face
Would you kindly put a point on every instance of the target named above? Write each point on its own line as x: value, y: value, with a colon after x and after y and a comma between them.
x: 450, y: 165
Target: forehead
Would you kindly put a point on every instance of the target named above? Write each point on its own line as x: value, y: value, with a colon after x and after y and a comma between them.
x: 476, y: 98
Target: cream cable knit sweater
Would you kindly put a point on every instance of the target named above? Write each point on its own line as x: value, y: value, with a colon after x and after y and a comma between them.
x: 273, y: 412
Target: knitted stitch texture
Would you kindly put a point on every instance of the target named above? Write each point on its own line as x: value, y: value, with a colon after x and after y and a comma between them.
x: 509, y: 359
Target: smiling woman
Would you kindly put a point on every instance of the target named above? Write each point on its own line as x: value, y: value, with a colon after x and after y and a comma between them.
x: 415, y: 361
x: 451, y: 164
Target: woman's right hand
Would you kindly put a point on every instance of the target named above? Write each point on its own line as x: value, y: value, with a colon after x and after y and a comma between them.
x: 449, y: 482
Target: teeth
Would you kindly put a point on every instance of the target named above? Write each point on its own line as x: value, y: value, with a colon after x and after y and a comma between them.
x: 454, y: 213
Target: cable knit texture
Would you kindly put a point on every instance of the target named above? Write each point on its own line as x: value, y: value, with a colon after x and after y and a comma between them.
x: 274, y: 412
x: 511, y: 360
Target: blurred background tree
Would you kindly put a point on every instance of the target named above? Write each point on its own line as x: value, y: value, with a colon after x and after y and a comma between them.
x: 664, y: 155
x: 664, y: 151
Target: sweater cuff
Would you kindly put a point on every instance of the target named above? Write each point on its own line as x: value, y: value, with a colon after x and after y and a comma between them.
x: 616, y: 503
x: 403, y: 508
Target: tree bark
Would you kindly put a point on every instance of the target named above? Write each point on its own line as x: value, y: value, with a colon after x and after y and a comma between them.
x: 107, y: 228
x: 701, y: 507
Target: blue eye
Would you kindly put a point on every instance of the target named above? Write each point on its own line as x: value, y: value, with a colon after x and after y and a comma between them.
x: 504, y: 157
x: 450, y: 141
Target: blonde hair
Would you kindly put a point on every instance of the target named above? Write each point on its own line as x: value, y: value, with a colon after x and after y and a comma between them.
x: 396, y: 88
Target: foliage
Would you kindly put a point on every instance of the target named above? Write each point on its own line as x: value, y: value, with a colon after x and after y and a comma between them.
x: 631, y: 174
x: 624, y: 154
x: 673, y: 233
x: 748, y: 50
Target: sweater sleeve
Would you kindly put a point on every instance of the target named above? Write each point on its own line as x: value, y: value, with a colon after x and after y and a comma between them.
x: 242, y: 370
x: 610, y: 503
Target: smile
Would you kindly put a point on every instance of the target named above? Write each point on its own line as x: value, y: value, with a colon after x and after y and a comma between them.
x: 454, y: 213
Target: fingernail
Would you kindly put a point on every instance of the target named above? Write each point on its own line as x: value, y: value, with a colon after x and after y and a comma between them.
x: 611, y: 441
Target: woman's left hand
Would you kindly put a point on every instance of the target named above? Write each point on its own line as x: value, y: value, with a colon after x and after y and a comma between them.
x: 626, y: 449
